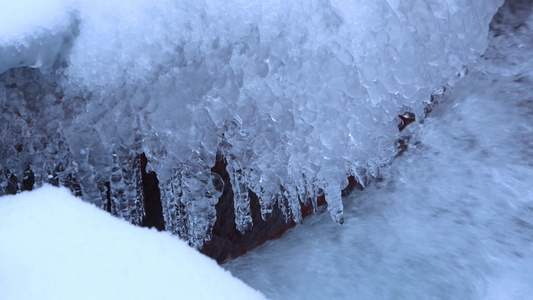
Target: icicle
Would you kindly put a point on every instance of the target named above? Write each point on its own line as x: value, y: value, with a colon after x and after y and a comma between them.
x: 294, y: 203
x: 200, y: 195
x: 334, y: 200
x: 92, y: 185
x: 174, y: 213
x: 267, y: 199
x: 243, y: 213
x: 125, y: 183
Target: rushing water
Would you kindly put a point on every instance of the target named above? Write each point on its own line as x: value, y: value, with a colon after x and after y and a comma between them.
x: 452, y: 217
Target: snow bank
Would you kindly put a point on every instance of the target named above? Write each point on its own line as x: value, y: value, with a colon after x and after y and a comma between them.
x: 295, y: 95
x: 54, y: 246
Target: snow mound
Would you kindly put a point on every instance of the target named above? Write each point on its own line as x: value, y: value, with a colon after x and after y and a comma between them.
x: 54, y: 246
x: 296, y: 96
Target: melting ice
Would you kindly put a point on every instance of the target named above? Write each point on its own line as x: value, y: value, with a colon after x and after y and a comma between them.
x: 294, y: 95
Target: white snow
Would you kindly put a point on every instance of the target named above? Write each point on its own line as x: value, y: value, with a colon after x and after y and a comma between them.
x: 54, y: 246
x: 19, y: 19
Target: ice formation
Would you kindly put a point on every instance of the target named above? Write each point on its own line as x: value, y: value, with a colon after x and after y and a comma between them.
x: 294, y: 95
x: 453, y: 216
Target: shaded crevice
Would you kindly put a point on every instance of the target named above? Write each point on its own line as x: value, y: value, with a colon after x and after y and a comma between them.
x: 407, y: 118
x: 108, y: 196
x: 513, y: 14
x: 12, y: 185
x: 28, y: 180
x: 152, y: 198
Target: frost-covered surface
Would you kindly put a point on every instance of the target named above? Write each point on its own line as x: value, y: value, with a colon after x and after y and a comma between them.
x: 295, y: 95
x: 54, y: 246
x: 453, y: 217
